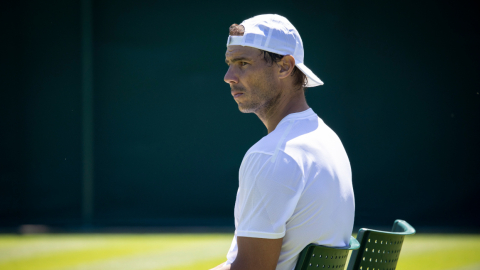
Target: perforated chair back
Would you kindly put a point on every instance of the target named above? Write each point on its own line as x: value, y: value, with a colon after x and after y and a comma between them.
x: 379, y: 250
x: 322, y: 257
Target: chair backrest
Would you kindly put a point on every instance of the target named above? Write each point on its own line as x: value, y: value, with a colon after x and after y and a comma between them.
x: 321, y: 257
x: 379, y: 250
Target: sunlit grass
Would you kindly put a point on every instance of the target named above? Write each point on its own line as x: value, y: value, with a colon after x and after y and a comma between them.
x: 104, y: 252
x: 440, y: 251
x: 196, y: 251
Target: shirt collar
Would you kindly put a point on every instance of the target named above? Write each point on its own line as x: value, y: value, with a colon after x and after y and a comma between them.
x: 299, y: 115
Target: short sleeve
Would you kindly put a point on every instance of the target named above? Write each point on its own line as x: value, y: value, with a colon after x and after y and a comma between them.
x: 269, y: 190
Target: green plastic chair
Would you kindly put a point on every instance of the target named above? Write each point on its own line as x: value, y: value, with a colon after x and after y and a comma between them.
x: 379, y: 250
x: 321, y: 257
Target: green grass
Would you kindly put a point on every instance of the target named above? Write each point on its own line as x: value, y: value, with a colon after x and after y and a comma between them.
x: 439, y: 252
x: 196, y: 251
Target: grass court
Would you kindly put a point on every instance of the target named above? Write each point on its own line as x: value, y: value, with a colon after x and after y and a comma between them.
x: 197, y: 251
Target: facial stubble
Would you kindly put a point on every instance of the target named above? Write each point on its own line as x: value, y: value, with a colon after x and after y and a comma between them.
x: 262, y: 95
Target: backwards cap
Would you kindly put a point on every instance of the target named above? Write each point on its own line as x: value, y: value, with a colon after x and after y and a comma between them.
x: 274, y: 33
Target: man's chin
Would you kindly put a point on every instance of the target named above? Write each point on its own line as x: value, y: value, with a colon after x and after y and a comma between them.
x: 245, y: 109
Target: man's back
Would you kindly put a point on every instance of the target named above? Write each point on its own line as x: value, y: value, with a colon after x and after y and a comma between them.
x: 295, y: 183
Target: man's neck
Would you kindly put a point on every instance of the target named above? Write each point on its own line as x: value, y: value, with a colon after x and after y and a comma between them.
x: 284, y: 104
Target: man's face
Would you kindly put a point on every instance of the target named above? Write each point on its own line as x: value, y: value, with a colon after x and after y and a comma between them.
x: 252, y: 81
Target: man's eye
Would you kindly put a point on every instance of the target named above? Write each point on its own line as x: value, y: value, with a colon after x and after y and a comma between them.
x: 243, y: 63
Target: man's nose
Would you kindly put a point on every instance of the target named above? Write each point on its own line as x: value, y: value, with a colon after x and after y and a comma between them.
x: 230, y: 76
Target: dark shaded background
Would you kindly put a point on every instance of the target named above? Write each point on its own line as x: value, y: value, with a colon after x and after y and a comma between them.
x: 401, y: 91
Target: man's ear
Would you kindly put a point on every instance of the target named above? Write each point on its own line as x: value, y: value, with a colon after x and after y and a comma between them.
x: 287, y: 64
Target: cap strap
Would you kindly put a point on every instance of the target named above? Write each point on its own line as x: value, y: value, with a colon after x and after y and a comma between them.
x: 235, y: 40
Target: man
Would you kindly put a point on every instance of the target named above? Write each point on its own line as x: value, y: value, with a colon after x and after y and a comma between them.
x: 295, y: 185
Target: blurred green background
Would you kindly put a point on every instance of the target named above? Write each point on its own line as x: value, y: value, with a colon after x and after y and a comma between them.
x: 115, y: 113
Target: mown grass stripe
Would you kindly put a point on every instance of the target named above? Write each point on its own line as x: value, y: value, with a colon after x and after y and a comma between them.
x: 126, y: 251
x: 200, y: 264
x: 179, y: 255
x: 439, y: 252
x: 37, y: 247
x: 449, y: 258
x: 196, y: 251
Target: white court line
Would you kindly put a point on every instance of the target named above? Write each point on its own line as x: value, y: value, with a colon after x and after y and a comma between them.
x: 40, y: 247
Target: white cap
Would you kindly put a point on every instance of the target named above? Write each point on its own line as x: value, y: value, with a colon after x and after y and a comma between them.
x: 274, y: 33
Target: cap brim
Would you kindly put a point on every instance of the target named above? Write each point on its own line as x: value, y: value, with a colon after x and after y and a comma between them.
x: 313, y: 80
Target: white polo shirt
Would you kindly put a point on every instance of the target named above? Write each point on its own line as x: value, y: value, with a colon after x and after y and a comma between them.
x: 295, y: 183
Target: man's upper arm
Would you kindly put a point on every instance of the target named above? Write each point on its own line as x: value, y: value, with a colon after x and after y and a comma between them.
x: 268, y: 194
x: 257, y: 253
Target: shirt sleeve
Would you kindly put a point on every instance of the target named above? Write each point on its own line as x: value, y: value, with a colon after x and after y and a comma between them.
x: 269, y: 190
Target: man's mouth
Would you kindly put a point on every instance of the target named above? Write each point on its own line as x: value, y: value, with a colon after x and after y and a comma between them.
x: 237, y: 91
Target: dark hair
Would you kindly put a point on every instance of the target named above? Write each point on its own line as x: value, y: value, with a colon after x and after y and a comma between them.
x: 300, y: 79
x: 236, y: 30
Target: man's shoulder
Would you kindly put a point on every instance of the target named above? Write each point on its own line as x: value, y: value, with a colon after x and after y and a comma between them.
x: 289, y: 139
x: 266, y: 146
x: 268, y: 156
x: 277, y: 138
x: 269, y: 170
